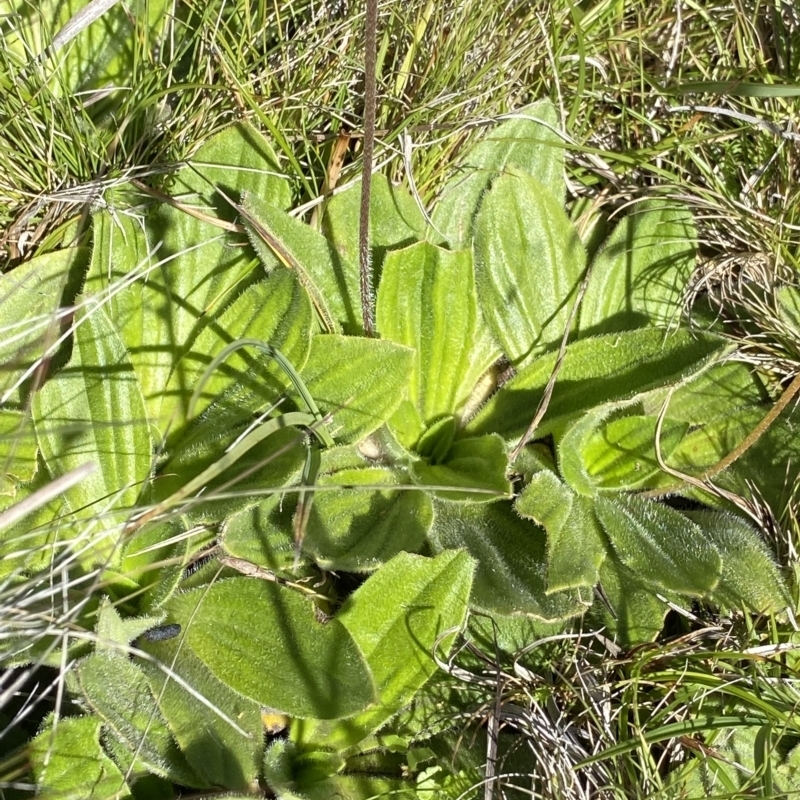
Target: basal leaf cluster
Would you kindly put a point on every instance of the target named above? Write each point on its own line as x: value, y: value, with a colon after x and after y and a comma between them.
x: 288, y: 517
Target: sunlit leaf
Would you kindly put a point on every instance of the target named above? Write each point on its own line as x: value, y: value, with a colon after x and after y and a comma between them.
x: 262, y: 534
x: 93, y: 410
x: 264, y: 642
x: 594, y: 371
x: 359, y: 381
x: 32, y: 294
x: 117, y: 691
x: 283, y: 242
x: 396, y: 617
x: 750, y: 576
x: 395, y: 221
x: 238, y: 159
x: 639, y: 276
x: 18, y: 449
x: 427, y: 301
x: 221, y: 754
x: 470, y: 464
x: 527, y: 142
x: 275, y: 311
x: 629, y: 608
x: 72, y: 764
x: 359, y: 528
x: 663, y: 547
x: 528, y: 263
x: 160, y: 314
x: 605, y: 450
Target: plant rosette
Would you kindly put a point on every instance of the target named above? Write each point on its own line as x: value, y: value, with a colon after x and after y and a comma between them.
x: 225, y: 389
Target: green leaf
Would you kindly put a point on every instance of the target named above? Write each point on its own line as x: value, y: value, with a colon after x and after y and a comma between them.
x: 528, y: 263
x: 427, y: 301
x: 284, y: 242
x: 238, y: 159
x: 605, y: 451
x: 396, y: 617
x: 221, y: 754
x: 114, y: 632
x: 18, y: 450
x: 395, y: 221
x: 29, y: 545
x: 523, y: 143
x: 359, y: 381
x: 575, y: 544
x: 160, y: 314
x: 512, y: 560
x: 772, y: 463
x: 705, y: 446
x: 640, y: 274
x: 788, y: 302
x: 32, y: 294
x: 358, y: 528
x: 631, y: 612
x: 662, y: 546
x: 594, y: 371
x: 264, y: 642
x: 479, y: 463
x: 276, y: 311
x: 274, y: 463
x: 69, y: 764
x: 299, y: 774
x: 262, y: 534
x: 750, y: 576
x: 93, y: 410
x: 117, y: 691
x: 715, y: 392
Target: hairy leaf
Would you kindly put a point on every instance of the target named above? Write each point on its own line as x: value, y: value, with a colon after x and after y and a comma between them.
x: 395, y: 221
x: 238, y: 159
x: 606, y: 451
x: 274, y: 463
x: 750, y: 576
x: 359, y: 528
x: 427, y: 301
x: 528, y: 263
x: 264, y: 642
x: 18, y: 450
x: 575, y: 544
x: 396, y: 617
x: 640, y: 275
x: 93, y: 410
x: 594, y: 371
x: 359, y: 381
x: 262, y: 534
x: 630, y: 609
x: 161, y: 313
x: 222, y: 754
x: 511, y: 556
x: 31, y: 295
x: 276, y: 311
x: 470, y: 464
x: 282, y: 241
x: 663, y: 547
x: 715, y: 392
x: 69, y: 763
x: 527, y: 142
x: 117, y: 691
